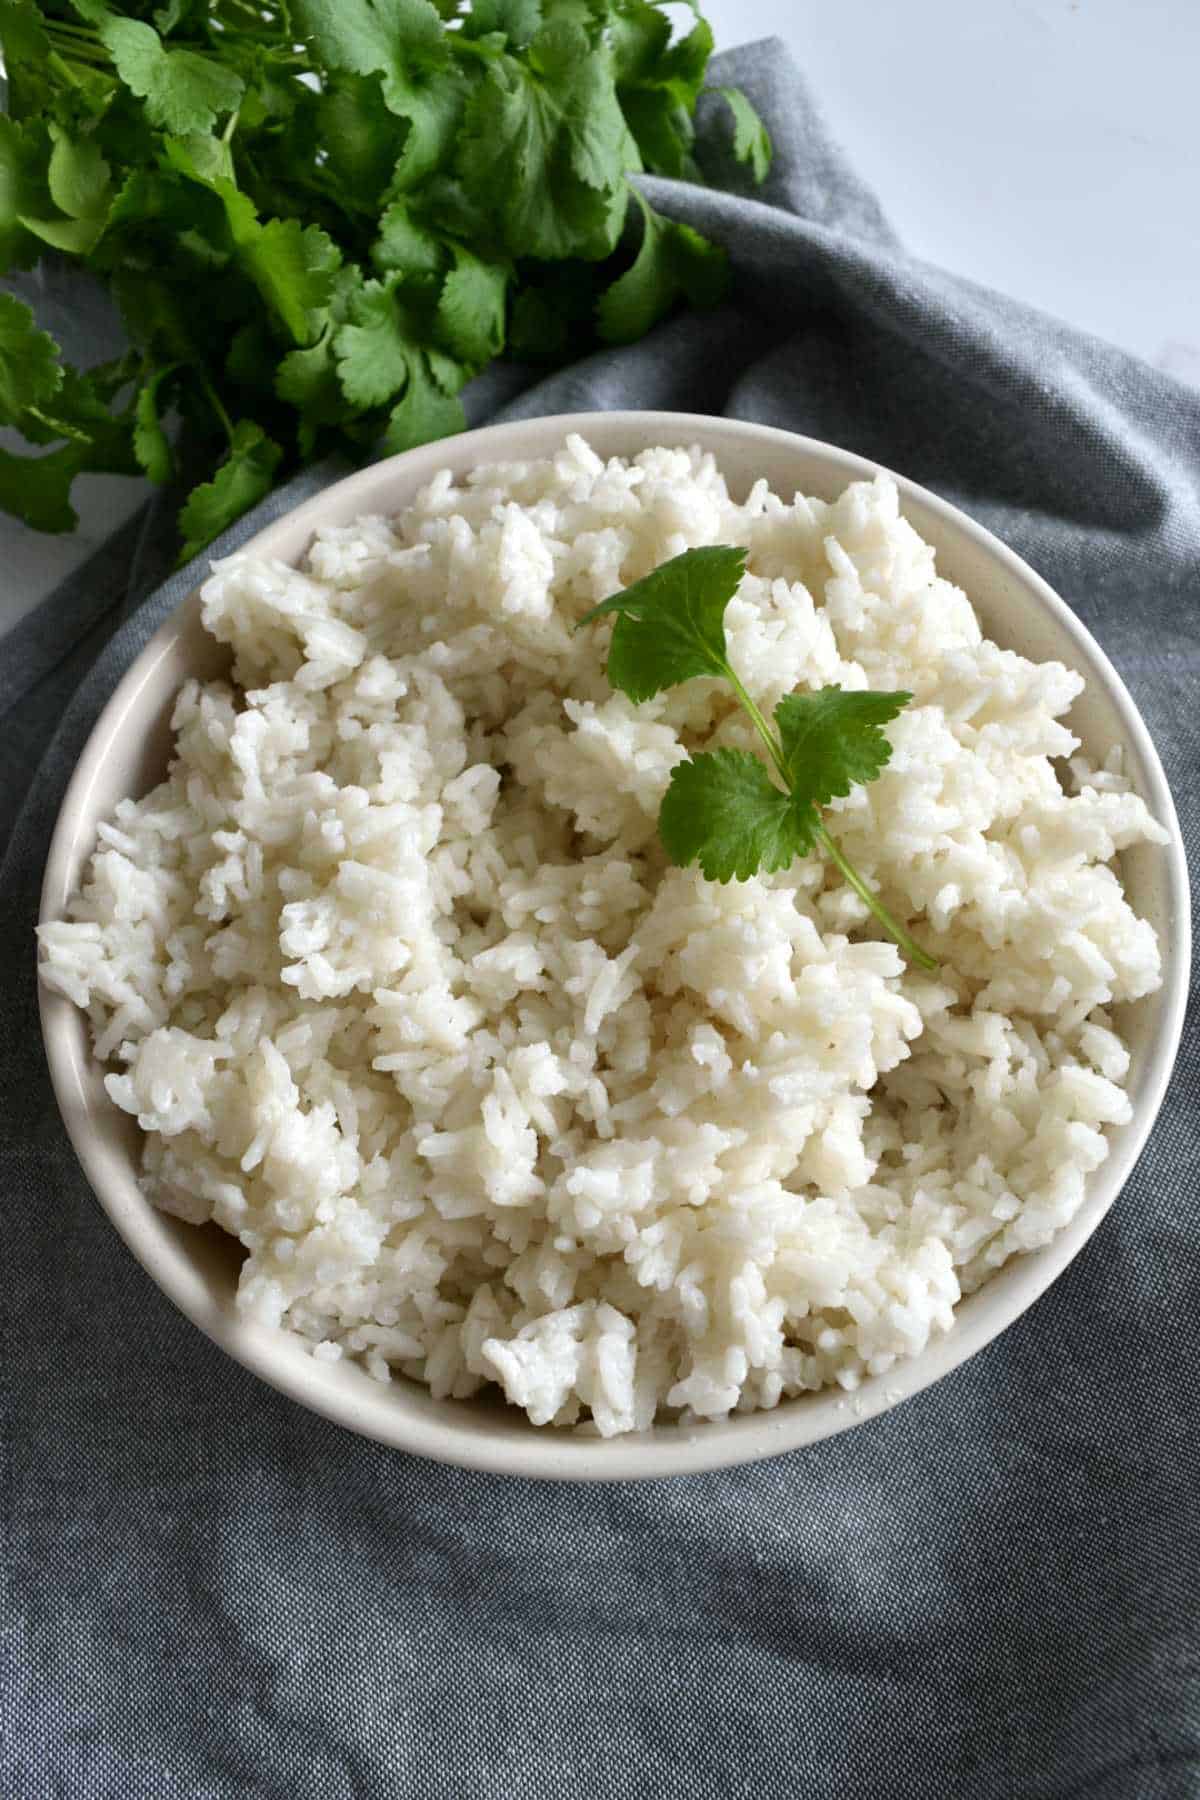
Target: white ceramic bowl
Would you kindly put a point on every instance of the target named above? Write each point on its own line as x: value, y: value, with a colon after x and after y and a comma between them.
x: 127, y: 753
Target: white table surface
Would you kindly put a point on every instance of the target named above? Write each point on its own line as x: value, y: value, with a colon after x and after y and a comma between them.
x: 1045, y: 147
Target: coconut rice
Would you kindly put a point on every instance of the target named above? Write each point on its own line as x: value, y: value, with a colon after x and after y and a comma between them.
x: 396, y: 979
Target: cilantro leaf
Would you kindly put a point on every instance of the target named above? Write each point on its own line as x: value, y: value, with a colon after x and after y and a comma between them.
x: 405, y: 43
x: 723, y: 811
x: 48, y: 401
x: 21, y: 195
x: 359, y: 134
x: 27, y: 52
x: 30, y: 372
x: 372, y: 349
x: 640, y: 33
x: 659, y: 82
x: 723, y: 808
x: 450, y: 376
x: 405, y: 244
x: 183, y: 91
x: 545, y: 147
x: 832, y: 740
x: 373, y: 37
x: 73, y: 236
x: 671, y: 623
x: 82, y: 411
x: 516, y: 20
x: 581, y: 88
x: 470, y: 308
x: 149, y: 439
x: 424, y: 413
x: 432, y: 103
x: 308, y: 379
x: 154, y: 315
x: 537, y: 331
x: 207, y: 160
x: 292, y: 266
x: 56, y: 185
x: 751, y: 142
x: 321, y: 218
x: 240, y: 482
x: 673, y: 262
x: 172, y: 15
x: 37, y: 489
x: 78, y: 175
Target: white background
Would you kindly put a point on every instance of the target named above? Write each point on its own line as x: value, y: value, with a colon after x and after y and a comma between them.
x: 1045, y: 147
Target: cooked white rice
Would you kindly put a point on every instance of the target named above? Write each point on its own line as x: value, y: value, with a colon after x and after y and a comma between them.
x: 397, y: 981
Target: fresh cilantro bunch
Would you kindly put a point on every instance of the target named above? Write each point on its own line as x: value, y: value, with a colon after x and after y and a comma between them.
x: 321, y: 218
x: 723, y: 809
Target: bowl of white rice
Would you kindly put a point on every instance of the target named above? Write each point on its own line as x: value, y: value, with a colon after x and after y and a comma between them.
x: 417, y: 1076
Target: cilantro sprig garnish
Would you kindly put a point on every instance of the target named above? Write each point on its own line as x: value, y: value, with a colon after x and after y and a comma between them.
x: 320, y: 218
x: 727, y: 810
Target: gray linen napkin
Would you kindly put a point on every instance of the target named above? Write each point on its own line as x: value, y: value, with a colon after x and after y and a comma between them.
x: 992, y: 1592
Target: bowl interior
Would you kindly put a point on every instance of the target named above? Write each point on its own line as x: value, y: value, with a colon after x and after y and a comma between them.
x: 128, y: 753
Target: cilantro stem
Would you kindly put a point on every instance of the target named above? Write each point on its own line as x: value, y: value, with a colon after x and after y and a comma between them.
x: 63, y: 69
x: 80, y: 50
x: 828, y: 843
x: 64, y: 28
x: 892, y: 926
x: 473, y: 47
x: 76, y: 42
x: 215, y: 402
x: 760, y: 725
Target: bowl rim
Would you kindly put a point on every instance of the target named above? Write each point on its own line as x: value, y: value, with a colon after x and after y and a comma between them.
x: 672, y: 1449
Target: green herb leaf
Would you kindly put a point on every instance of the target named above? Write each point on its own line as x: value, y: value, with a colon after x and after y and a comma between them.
x: 450, y: 376
x: 154, y: 315
x: 182, y: 90
x: 545, y: 147
x: 405, y: 43
x: 321, y: 218
x: 405, y: 245
x: 723, y: 811
x: 37, y: 489
x: 832, y: 740
x: 470, y: 309
x: 423, y: 414
x: 29, y: 79
x: 175, y: 13
x: 30, y: 372
x: 361, y: 138
x: 78, y: 176
x: 658, y: 84
x: 372, y: 351
x: 433, y: 106
x: 308, y: 379
x: 292, y: 266
x: 149, y: 439
x: 374, y: 37
x: 673, y: 262
x: 21, y: 196
x: 751, y: 143
x: 242, y: 480
x: 577, y: 83
x: 515, y: 20
x: 671, y: 623
x: 80, y: 410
